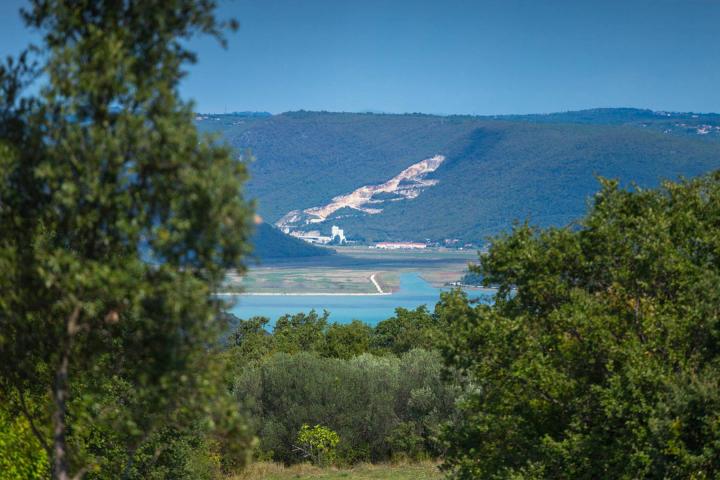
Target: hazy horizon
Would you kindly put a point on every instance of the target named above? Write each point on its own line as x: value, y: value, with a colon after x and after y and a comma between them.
x: 380, y: 112
x: 484, y: 57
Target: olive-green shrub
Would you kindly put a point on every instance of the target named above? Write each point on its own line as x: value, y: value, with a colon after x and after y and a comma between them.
x: 364, y: 399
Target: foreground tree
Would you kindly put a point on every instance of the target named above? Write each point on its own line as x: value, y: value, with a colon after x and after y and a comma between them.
x: 118, y: 222
x: 601, y: 355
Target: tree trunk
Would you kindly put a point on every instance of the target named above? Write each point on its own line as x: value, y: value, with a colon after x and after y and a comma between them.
x: 60, y: 392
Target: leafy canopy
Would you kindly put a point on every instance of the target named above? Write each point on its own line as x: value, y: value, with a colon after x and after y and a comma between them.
x: 600, y: 357
x: 311, y: 332
x: 118, y: 223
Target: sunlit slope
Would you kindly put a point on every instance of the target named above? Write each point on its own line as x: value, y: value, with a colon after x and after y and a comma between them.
x: 304, y: 159
x: 544, y: 173
x: 494, y: 170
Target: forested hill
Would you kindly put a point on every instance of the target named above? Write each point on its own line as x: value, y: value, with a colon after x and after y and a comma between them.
x: 269, y: 243
x: 496, y: 170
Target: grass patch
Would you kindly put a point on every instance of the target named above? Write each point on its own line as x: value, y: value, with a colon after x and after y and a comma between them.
x: 400, y: 471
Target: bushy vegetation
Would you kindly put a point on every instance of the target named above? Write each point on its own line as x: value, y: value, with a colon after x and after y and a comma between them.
x: 472, y: 278
x: 311, y: 332
x: 382, y: 389
x: 317, y: 443
x: 600, y: 356
x: 22, y: 456
x: 381, y: 407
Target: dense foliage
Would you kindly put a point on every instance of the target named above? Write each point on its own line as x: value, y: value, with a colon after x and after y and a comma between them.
x: 496, y: 170
x: 118, y: 223
x: 601, y: 355
x: 311, y: 332
x: 381, y: 389
x: 472, y: 278
x: 22, y: 457
x: 380, y: 406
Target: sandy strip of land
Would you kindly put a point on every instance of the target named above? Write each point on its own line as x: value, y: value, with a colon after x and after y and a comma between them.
x: 309, y: 294
x: 303, y: 294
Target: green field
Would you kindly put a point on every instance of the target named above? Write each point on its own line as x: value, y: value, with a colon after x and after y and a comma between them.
x: 273, y: 471
x: 350, y: 270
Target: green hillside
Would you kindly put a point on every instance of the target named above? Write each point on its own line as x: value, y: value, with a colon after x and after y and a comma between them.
x: 540, y: 168
x: 269, y: 243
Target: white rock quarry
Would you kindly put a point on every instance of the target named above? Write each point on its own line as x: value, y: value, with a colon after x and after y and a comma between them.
x: 407, y: 184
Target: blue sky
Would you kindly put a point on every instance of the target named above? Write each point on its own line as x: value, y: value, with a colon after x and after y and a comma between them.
x: 453, y: 56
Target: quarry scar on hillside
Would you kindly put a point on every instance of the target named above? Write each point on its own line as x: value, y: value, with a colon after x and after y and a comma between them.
x: 407, y: 184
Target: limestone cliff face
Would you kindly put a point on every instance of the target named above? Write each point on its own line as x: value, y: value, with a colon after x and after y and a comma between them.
x: 406, y: 185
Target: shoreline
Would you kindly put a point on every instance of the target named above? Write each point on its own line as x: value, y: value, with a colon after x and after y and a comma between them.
x: 299, y: 294
x: 310, y: 294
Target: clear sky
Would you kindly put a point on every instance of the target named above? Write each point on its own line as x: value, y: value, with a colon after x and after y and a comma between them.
x: 453, y: 56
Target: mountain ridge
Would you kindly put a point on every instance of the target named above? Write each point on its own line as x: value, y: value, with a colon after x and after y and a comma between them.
x: 497, y: 170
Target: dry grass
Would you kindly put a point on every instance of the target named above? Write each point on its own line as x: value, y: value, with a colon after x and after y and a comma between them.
x: 397, y: 471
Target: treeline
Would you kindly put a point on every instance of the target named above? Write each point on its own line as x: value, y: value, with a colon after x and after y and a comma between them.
x: 382, y: 389
x: 312, y: 332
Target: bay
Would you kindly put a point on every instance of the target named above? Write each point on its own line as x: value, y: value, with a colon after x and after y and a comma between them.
x: 414, y: 291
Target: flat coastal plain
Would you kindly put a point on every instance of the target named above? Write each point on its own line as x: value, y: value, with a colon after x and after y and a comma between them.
x: 352, y: 271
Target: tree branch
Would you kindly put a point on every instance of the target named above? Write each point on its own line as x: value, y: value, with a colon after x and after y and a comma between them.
x: 33, y: 427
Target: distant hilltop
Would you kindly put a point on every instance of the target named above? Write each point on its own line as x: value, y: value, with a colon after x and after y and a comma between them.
x: 322, y: 169
x: 206, y: 116
x: 596, y: 116
x: 679, y: 122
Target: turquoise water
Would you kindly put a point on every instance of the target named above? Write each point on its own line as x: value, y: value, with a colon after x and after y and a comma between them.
x: 371, y: 309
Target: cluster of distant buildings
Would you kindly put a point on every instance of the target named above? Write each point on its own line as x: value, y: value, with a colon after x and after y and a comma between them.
x: 700, y: 129
x: 447, y: 243
x: 399, y: 245
x: 337, y: 237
